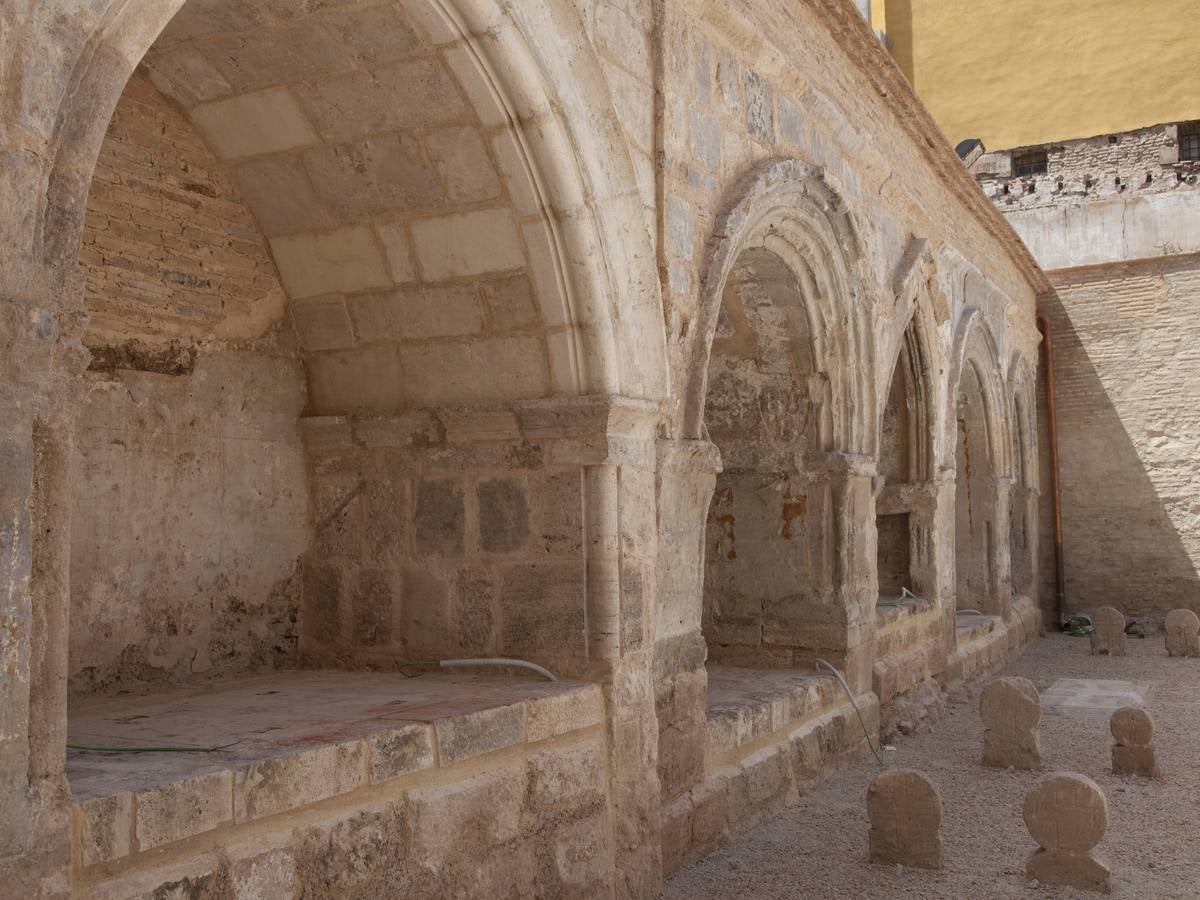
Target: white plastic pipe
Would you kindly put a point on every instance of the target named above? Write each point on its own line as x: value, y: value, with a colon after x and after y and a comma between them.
x: 515, y: 663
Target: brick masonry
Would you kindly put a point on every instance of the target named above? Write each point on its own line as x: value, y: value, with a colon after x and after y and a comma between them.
x: 1127, y: 350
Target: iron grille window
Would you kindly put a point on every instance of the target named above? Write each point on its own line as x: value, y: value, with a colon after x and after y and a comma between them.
x: 1029, y: 162
x: 1189, y: 141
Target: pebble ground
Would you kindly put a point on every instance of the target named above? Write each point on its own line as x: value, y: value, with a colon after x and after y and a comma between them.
x: 819, y: 848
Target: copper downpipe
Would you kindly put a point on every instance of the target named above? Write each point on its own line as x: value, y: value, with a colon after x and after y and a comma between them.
x: 1060, y: 575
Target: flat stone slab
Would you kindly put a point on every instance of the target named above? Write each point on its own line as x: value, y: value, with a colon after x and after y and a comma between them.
x: 293, y: 738
x: 745, y: 704
x: 1090, y: 698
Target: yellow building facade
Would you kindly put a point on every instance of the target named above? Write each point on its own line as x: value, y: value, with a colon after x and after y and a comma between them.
x: 1021, y: 72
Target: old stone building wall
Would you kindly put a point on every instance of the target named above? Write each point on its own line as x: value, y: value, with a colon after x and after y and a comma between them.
x: 191, y: 512
x: 622, y: 334
x: 1115, y: 219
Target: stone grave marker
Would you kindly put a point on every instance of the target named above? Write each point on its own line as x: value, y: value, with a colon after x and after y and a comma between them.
x: 1108, y: 632
x: 1067, y: 815
x: 1011, y: 715
x: 1133, y: 743
x: 905, y: 809
x: 1183, y: 633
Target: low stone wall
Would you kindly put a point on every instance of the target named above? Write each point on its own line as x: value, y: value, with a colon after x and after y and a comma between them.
x: 440, y: 810
x: 760, y: 758
x: 908, y: 648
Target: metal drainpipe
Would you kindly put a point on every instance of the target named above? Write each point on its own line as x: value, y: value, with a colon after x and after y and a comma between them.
x: 1060, y: 575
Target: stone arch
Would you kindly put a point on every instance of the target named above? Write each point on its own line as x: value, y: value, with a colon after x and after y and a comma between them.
x: 599, y: 287
x: 978, y: 414
x: 536, y: 283
x: 1024, y: 492
x: 906, y: 429
x: 775, y: 388
x: 786, y: 208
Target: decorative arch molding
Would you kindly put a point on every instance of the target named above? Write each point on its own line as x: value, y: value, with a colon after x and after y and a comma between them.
x: 975, y: 345
x: 600, y: 246
x: 911, y: 346
x: 786, y: 207
x: 1021, y: 384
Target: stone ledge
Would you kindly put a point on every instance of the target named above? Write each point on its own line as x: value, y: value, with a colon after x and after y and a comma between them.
x: 767, y: 779
x: 125, y: 805
x: 747, y: 705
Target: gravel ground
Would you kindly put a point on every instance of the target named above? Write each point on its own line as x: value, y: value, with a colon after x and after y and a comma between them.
x: 818, y: 849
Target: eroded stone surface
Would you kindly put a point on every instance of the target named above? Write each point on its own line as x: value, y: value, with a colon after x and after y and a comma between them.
x: 1067, y: 814
x: 1108, y: 632
x: 905, y: 809
x: 1183, y: 633
x: 1011, y: 713
x: 1133, y: 743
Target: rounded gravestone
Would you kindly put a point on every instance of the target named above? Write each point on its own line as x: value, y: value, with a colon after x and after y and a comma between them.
x: 1183, y: 633
x: 1011, y: 711
x: 1067, y: 814
x: 1108, y: 632
x: 905, y: 810
x: 1133, y: 743
x: 1132, y: 726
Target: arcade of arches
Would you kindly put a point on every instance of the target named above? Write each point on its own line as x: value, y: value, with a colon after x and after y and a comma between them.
x: 346, y: 337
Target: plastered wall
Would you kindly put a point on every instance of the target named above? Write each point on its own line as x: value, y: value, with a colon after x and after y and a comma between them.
x: 1049, y: 71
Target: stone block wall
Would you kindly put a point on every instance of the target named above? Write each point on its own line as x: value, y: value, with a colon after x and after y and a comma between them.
x: 476, y: 532
x: 441, y: 809
x: 1103, y: 199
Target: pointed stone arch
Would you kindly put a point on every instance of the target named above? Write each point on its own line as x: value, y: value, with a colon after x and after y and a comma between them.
x: 785, y: 208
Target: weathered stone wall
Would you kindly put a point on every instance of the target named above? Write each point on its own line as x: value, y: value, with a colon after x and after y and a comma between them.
x: 1108, y: 198
x: 470, y: 532
x: 1126, y: 341
x: 510, y: 801
x: 170, y: 250
x: 190, y: 505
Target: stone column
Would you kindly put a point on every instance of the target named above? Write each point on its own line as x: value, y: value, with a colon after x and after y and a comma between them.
x: 1000, y: 564
x: 687, y: 473
x: 612, y: 439
x: 943, y: 562
x: 42, y: 358
x: 855, y: 587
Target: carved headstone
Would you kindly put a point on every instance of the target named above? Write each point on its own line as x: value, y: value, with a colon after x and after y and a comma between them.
x: 1011, y: 712
x: 1067, y: 815
x: 1108, y: 632
x: 1133, y: 743
x: 1183, y: 633
x: 905, y: 809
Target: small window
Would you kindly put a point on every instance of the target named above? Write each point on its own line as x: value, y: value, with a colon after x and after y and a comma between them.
x: 1029, y: 162
x: 1189, y: 141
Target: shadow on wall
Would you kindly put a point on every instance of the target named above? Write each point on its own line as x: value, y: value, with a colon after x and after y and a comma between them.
x: 1120, y: 544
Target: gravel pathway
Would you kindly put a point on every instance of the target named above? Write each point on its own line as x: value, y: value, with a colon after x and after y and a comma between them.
x: 818, y: 849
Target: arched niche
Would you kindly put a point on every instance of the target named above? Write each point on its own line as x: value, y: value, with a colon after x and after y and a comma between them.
x: 772, y: 388
x: 420, y: 241
x: 1024, y: 491
x: 982, y: 454
x: 904, y: 504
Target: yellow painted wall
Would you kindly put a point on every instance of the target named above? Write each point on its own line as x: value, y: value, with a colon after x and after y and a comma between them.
x: 1018, y: 72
